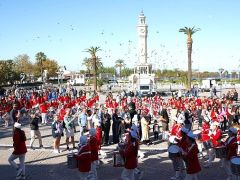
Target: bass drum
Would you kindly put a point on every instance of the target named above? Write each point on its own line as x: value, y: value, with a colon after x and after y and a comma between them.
x: 235, y: 166
x: 174, y: 151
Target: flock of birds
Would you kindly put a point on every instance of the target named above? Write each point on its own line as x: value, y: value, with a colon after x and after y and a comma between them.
x: 160, y: 57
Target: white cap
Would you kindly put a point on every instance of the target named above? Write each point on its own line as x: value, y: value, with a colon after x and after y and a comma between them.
x: 83, y: 140
x: 185, y: 130
x: 215, y: 123
x: 92, y: 132
x: 17, y: 125
x: 191, y: 135
x: 134, y: 134
x: 233, y: 130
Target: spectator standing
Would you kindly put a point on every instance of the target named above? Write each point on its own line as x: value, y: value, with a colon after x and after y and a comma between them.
x: 35, y: 132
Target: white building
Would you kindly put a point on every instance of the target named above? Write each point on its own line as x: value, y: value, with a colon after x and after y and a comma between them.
x: 143, y: 80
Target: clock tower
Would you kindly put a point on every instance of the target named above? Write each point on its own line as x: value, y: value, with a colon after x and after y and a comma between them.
x: 143, y: 79
x: 142, y: 30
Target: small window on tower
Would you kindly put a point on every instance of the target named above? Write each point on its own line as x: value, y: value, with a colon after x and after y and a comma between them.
x: 142, y: 21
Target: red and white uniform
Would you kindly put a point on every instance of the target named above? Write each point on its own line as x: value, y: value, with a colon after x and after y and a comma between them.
x: 191, y: 158
x: 84, y: 159
x: 216, y: 137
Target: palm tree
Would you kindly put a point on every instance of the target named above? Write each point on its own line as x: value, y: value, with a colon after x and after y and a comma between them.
x: 120, y: 64
x: 189, y: 32
x: 93, y: 50
x: 40, y: 57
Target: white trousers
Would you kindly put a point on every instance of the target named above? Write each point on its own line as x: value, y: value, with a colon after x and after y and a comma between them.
x: 21, y: 162
x: 44, y: 118
x: 191, y: 177
x: 211, y: 155
x: 227, y: 167
x: 83, y: 175
x: 127, y: 174
x: 36, y: 133
x: 93, y: 172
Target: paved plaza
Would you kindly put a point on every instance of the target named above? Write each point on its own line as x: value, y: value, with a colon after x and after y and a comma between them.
x: 43, y: 164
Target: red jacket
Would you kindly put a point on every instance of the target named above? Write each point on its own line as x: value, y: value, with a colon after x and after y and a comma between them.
x: 183, y: 143
x: 99, y: 137
x: 191, y: 159
x: 19, y: 144
x: 130, y: 154
x: 175, y: 129
x: 44, y: 108
x: 94, y: 147
x: 216, y: 138
x: 84, y: 159
x: 232, y: 147
x: 205, y: 131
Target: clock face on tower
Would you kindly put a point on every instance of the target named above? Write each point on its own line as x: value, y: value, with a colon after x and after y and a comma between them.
x: 142, y: 30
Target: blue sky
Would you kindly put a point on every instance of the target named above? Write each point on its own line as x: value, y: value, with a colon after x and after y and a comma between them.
x: 62, y: 29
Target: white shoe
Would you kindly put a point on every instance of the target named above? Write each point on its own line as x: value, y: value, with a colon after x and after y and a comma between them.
x: 55, y: 151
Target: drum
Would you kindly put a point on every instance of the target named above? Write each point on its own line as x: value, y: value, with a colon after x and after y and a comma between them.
x: 207, y: 144
x: 197, y: 133
x: 221, y: 152
x: 173, y: 151
x: 118, y: 160
x: 172, y: 140
x: 71, y: 161
x: 235, y: 166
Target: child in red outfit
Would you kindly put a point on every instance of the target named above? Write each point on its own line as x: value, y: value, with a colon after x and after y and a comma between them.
x: 94, y: 146
x: 84, y: 158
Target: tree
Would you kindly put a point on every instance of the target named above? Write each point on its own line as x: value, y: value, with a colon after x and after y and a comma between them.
x: 90, y: 64
x: 120, y: 64
x: 189, y: 32
x: 51, y: 66
x: 127, y: 72
x: 93, y: 50
x: 40, y: 58
x: 7, y: 73
x: 23, y: 64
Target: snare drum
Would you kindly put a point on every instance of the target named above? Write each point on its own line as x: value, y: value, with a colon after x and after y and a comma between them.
x: 235, y: 166
x: 173, y: 151
x: 207, y: 144
x: 71, y: 161
x: 118, y: 160
x: 221, y: 152
x: 172, y: 140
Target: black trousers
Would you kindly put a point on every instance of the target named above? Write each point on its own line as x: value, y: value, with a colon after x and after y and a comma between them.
x: 106, y: 133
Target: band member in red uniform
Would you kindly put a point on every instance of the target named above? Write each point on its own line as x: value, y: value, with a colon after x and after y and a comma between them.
x: 84, y: 158
x: 130, y: 153
x: 191, y: 158
x: 231, y: 146
x: 182, y: 143
x: 44, y: 109
x: 215, y: 136
x: 94, y: 147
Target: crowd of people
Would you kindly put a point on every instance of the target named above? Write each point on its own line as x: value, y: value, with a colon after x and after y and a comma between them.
x: 133, y: 120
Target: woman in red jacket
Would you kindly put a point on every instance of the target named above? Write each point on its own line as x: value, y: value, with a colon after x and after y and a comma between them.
x: 84, y: 158
x: 130, y: 153
x: 231, y: 146
x: 191, y: 157
x: 20, y: 150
